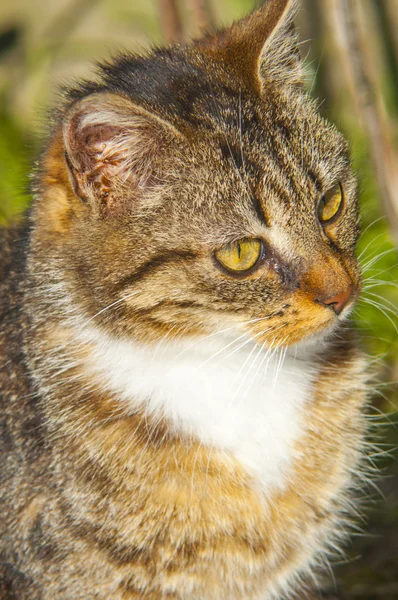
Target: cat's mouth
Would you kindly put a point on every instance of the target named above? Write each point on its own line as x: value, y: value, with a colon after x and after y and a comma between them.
x: 319, y: 310
x: 305, y: 317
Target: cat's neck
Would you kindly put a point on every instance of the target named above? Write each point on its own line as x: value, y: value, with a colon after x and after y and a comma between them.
x: 232, y: 395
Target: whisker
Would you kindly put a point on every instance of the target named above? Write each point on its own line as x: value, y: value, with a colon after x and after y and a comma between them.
x: 374, y: 283
x: 371, y: 243
x: 366, y: 266
x: 320, y: 58
x: 106, y: 308
x: 371, y: 225
x: 245, y: 334
x: 380, y: 308
x: 252, y: 364
x: 267, y: 357
x: 377, y: 273
x: 241, y: 383
x: 392, y: 307
x: 280, y: 362
x: 217, y: 333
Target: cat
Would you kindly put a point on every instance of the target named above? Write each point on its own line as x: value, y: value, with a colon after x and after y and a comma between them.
x: 183, y: 401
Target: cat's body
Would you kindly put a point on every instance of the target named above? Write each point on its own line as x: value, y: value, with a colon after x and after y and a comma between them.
x: 157, y: 444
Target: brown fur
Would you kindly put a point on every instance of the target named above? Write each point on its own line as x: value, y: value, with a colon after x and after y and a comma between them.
x: 98, y: 502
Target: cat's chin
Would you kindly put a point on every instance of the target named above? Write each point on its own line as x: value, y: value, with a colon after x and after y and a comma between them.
x: 315, y: 341
x: 321, y: 335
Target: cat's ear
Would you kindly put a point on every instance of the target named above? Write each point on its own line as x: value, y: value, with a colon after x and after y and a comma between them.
x: 114, y: 151
x: 262, y: 46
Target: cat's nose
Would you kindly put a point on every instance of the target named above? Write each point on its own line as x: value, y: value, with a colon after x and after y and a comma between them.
x: 339, y: 301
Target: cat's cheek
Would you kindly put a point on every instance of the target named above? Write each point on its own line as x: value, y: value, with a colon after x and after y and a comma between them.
x: 307, y: 319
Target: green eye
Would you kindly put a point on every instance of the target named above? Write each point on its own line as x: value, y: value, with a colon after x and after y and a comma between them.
x: 240, y: 256
x: 331, y: 204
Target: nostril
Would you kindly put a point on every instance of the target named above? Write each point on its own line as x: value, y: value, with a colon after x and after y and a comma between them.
x: 339, y: 301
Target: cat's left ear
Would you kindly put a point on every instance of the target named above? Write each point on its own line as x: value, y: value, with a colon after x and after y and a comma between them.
x: 262, y: 46
x: 116, y: 152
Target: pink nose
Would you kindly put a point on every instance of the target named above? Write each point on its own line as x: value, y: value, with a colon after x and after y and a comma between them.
x: 339, y: 301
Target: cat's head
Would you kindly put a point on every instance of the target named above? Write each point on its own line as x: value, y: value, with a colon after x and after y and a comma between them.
x: 197, y: 189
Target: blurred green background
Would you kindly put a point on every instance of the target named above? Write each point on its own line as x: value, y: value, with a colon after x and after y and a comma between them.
x: 49, y: 43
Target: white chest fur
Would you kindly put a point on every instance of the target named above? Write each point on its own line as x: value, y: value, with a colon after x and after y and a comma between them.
x: 235, y: 397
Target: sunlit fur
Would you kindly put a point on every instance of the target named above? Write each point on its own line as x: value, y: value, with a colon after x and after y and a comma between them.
x: 172, y: 429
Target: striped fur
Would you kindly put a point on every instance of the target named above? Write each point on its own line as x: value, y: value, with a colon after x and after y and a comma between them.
x: 170, y: 430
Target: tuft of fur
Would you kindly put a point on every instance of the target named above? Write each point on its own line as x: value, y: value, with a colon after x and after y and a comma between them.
x: 171, y: 429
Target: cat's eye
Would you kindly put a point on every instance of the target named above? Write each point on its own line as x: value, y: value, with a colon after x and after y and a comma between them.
x: 331, y: 204
x: 240, y: 256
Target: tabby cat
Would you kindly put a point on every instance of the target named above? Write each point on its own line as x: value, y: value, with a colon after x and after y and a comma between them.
x: 181, y: 397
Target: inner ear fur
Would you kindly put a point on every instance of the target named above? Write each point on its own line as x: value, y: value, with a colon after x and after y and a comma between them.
x: 261, y: 46
x: 114, y: 150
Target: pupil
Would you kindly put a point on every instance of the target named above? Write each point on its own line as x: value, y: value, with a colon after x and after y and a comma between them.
x: 239, y: 251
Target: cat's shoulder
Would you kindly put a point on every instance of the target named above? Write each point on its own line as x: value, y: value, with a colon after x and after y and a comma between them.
x: 13, y: 244
x: 13, y: 251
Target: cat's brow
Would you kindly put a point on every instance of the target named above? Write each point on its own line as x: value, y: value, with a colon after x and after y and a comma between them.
x: 153, y: 264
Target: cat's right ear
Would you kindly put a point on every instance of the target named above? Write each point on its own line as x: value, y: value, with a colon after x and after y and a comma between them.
x: 262, y: 46
x: 114, y: 151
